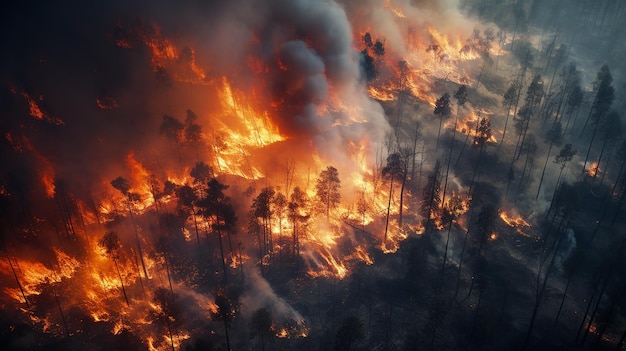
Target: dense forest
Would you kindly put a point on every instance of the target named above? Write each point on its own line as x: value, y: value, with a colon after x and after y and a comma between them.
x: 313, y: 175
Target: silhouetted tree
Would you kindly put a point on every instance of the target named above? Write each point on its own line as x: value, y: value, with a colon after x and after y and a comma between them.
x: 218, y: 208
x: 123, y: 186
x: 168, y: 312
x: 297, y: 213
x: 510, y: 98
x: 431, y: 199
x: 327, y: 189
x: 395, y: 169
x: 378, y: 48
x: 187, y: 199
x: 261, y: 325
x: 485, y: 225
x: 605, y: 94
x: 227, y: 306
x: 483, y: 135
x: 367, y: 39
x: 368, y: 66
x: 262, y: 209
x: 553, y: 136
x: 172, y: 129
x: 193, y: 131
x: 442, y: 109
x: 610, y: 131
x: 201, y: 173
x: 111, y: 245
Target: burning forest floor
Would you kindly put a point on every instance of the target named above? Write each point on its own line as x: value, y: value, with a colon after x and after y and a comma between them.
x: 343, y: 177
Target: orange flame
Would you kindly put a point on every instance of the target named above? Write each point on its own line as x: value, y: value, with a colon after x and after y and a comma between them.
x: 518, y: 222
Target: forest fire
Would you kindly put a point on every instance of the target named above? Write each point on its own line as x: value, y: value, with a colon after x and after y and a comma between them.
x: 305, y: 174
x: 518, y: 222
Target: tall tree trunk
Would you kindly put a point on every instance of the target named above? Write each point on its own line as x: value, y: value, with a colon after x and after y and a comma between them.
x: 543, y: 172
x: 117, y: 268
x: 388, y: 206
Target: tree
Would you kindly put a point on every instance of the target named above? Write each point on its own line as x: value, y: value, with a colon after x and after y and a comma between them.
x: 226, y: 311
x: 485, y: 225
x: 186, y: 205
x: 483, y: 135
x: 123, y: 186
x: 367, y: 39
x: 431, y: 199
x: 378, y: 48
x: 553, y: 136
x: 261, y: 325
x: 217, y: 207
x: 523, y: 52
x: 350, y: 332
x: 262, y: 209
x: 172, y: 129
x: 534, y: 94
x: 279, y: 204
x: 566, y: 154
x: 602, y: 102
x: 442, y: 109
x: 297, y: 213
x: 168, y: 312
x: 327, y: 189
x: 461, y: 98
x: 201, y: 173
x: 451, y: 211
x: 611, y: 130
x: 368, y: 66
x: 509, y: 99
x: 111, y: 245
x: 193, y: 131
x: 395, y: 169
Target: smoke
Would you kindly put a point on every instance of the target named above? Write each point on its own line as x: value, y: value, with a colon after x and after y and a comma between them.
x: 259, y: 294
x: 569, y: 245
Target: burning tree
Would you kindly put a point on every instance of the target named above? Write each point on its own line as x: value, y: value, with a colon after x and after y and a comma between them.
x: 395, y: 170
x: 217, y: 208
x: 111, y: 245
x: 431, y: 198
x: 297, y: 213
x: 262, y: 209
x: 123, y: 186
x: 226, y: 310
x: 327, y: 189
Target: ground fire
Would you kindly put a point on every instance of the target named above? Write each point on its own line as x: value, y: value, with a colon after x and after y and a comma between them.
x: 336, y: 174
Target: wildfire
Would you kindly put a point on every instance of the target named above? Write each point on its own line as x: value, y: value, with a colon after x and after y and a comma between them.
x: 139, y: 182
x: 242, y: 130
x: 381, y: 94
x: 594, y: 169
x: 36, y: 112
x: 515, y: 222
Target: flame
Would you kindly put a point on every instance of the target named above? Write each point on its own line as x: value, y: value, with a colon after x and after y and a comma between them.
x: 36, y: 112
x: 139, y: 182
x: 381, y: 94
x: 247, y: 129
x: 594, y: 169
x: 518, y: 222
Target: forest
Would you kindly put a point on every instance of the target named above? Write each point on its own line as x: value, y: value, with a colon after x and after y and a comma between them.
x: 313, y: 175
